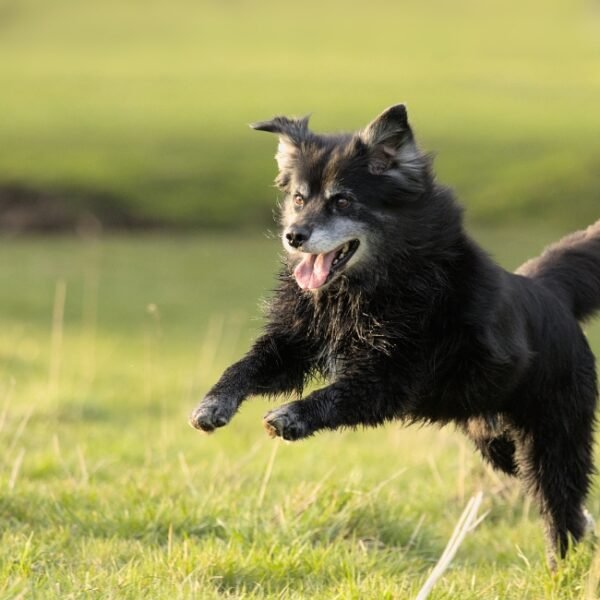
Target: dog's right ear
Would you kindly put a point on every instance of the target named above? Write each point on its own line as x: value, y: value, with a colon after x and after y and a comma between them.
x: 292, y: 132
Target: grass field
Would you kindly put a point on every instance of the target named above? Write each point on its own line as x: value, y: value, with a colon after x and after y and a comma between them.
x: 107, y: 344
x: 149, y: 101
x: 105, y: 492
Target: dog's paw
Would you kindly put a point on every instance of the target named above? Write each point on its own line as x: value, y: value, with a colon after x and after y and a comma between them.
x: 212, y: 412
x: 286, y: 422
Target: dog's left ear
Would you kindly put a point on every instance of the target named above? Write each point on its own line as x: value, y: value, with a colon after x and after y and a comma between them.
x: 292, y: 132
x: 391, y: 142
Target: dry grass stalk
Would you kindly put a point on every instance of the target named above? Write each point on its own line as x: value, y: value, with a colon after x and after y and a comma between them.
x: 467, y: 522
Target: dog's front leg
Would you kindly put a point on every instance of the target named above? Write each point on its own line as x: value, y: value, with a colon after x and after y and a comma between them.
x: 345, y: 403
x: 274, y: 365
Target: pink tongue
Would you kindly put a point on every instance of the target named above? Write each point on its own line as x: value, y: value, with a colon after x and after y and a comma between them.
x: 312, y: 272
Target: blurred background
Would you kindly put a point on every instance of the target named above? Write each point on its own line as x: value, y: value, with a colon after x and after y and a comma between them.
x: 136, y: 243
x: 137, y: 111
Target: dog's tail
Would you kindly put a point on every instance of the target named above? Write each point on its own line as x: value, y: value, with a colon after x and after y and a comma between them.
x: 571, y: 269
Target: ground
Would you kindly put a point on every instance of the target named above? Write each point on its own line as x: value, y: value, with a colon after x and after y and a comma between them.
x: 106, y: 492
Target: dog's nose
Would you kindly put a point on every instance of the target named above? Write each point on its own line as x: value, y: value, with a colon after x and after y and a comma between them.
x: 297, y: 236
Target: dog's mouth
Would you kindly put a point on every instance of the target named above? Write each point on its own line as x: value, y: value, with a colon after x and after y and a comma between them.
x: 315, y: 270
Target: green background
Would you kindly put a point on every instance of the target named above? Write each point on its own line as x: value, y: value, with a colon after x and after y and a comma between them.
x: 149, y: 101
x: 108, y: 341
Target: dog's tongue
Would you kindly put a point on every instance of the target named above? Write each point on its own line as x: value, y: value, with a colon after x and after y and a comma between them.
x: 312, y: 272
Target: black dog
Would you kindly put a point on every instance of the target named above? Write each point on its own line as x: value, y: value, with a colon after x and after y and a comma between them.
x: 385, y: 295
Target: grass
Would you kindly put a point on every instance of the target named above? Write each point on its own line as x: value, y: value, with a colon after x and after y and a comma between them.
x: 105, y: 492
x: 148, y: 102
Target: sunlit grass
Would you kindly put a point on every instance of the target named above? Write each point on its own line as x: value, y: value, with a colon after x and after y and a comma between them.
x: 106, y: 492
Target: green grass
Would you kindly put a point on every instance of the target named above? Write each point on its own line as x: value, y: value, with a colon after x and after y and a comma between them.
x: 149, y: 101
x: 105, y: 492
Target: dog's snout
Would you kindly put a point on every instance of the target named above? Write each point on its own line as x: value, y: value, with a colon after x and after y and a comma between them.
x: 296, y: 236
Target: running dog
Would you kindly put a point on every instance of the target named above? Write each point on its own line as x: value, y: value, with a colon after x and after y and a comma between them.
x: 385, y: 295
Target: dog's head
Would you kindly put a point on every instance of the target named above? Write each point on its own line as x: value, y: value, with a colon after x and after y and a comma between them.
x: 345, y: 194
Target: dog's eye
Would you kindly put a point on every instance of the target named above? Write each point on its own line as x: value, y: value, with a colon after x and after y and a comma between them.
x: 342, y: 202
x: 298, y: 200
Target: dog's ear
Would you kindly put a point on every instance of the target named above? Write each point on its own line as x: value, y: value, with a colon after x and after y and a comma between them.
x: 292, y: 132
x: 392, y: 147
x: 294, y: 129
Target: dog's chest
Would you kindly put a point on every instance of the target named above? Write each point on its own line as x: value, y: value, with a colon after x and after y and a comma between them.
x: 331, y: 364
x: 339, y: 348
x: 343, y: 332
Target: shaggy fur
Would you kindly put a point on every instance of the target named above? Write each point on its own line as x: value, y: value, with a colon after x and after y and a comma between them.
x: 421, y: 325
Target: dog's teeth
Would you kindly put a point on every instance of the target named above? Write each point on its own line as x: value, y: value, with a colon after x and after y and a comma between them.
x: 341, y: 253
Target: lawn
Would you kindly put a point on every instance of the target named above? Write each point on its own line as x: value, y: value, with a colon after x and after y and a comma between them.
x: 147, y: 103
x: 106, y: 492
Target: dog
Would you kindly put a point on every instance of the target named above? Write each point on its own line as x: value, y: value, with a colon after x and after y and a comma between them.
x: 385, y: 295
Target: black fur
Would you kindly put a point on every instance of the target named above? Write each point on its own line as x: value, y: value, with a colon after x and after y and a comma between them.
x: 426, y: 327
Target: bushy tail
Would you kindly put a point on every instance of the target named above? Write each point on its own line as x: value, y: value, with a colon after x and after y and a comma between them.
x: 571, y: 268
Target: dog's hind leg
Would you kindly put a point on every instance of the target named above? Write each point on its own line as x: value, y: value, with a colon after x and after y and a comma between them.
x: 494, y: 442
x: 556, y: 464
x: 499, y: 452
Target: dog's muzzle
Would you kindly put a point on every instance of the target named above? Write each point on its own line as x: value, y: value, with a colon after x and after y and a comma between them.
x: 296, y: 236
